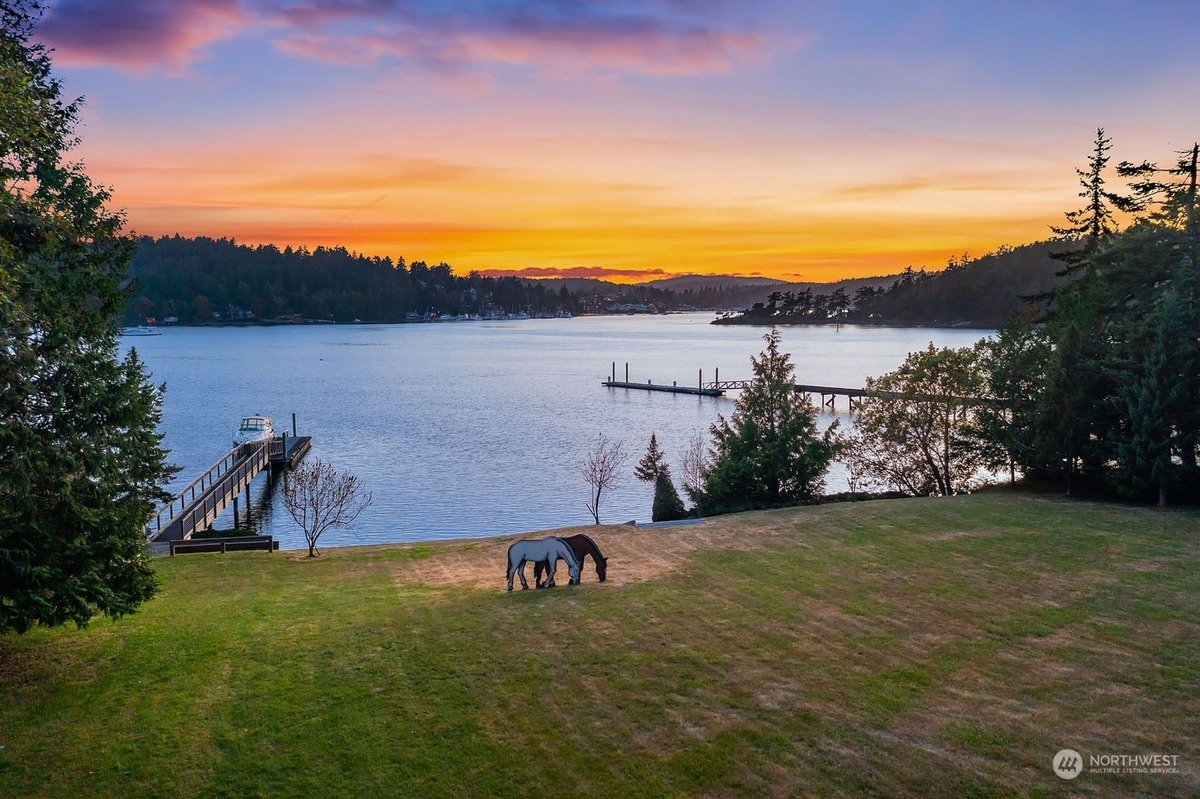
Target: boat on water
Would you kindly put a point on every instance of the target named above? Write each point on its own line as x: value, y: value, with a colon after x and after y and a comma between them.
x: 253, y: 428
x: 140, y: 330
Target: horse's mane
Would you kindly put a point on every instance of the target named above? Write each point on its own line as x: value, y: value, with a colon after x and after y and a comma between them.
x: 591, y: 543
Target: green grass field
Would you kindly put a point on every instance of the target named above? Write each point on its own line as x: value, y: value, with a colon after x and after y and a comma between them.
x: 919, y: 648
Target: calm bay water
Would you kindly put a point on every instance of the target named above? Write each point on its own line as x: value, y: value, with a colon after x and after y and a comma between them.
x: 476, y: 428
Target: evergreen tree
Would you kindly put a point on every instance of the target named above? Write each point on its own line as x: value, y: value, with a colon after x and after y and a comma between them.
x: 769, y: 452
x: 1093, y: 225
x: 667, y: 504
x: 1172, y: 201
x: 81, y: 461
x: 653, y: 462
x: 1155, y: 401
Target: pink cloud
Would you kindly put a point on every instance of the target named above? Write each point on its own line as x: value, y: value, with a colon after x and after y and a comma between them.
x: 653, y: 52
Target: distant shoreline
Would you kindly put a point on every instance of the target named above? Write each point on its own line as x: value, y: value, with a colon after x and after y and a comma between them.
x: 314, y: 322
x: 780, y: 321
x: 721, y: 320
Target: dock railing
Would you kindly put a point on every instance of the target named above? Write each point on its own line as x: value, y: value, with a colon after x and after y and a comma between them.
x: 241, y: 460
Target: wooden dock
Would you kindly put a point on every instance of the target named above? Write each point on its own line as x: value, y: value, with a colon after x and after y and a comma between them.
x: 718, y: 388
x: 205, y: 498
x: 697, y: 390
x: 672, y: 389
x: 828, y: 394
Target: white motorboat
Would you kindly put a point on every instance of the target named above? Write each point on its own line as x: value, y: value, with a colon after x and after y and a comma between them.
x: 140, y: 330
x: 252, y: 429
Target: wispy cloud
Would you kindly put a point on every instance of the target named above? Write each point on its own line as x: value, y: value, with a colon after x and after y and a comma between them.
x: 661, y: 37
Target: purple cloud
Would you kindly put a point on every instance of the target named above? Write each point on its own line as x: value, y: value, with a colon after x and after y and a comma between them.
x: 136, y: 34
x: 649, y: 36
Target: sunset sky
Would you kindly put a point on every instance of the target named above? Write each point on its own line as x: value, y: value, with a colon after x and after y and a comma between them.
x: 626, y: 139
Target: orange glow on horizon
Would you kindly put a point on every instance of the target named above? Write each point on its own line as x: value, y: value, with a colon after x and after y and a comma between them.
x: 635, y: 211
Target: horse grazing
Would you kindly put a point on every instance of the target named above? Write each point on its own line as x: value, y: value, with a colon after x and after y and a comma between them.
x: 546, y: 551
x: 582, y: 546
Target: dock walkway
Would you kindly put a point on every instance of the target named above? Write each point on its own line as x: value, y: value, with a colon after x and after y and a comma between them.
x: 198, y: 505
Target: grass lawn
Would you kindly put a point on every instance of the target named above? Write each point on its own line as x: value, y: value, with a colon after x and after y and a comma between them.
x: 914, y: 648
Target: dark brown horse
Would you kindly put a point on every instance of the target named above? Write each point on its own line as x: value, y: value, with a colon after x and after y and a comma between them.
x: 582, y: 546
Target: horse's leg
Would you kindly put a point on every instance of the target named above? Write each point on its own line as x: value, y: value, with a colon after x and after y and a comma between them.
x: 521, y: 574
x: 539, y: 569
x: 551, y: 567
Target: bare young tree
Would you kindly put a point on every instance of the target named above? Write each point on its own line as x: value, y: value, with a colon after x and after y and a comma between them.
x: 602, y: 468
x: 318, y: 498
x: 696, y: 463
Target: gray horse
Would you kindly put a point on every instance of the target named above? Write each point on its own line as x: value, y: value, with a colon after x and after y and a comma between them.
x: 541, y: 550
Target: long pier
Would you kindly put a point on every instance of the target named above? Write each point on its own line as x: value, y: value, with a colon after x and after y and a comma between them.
x: 828, y: 394
x: 198, y: 505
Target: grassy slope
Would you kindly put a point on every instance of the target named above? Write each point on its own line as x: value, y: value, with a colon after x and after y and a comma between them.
x: 914, y: 648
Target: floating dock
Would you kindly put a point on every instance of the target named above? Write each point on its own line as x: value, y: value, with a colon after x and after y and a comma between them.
x: 672, y: 389
x: 699, y: 390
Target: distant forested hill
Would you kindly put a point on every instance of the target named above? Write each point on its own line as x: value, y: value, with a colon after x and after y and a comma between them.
x: 205, y: 280
x: 214, y: 281
x: 982, y: 292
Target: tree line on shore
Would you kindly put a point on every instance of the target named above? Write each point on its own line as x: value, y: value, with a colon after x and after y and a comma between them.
x: 204, y: 280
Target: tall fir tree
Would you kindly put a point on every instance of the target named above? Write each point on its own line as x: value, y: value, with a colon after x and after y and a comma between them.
x: 652, y: 462
x: 81, y: 461
x: 769, y: 453
x: 1093, y: 225
x: 1169, y: 194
